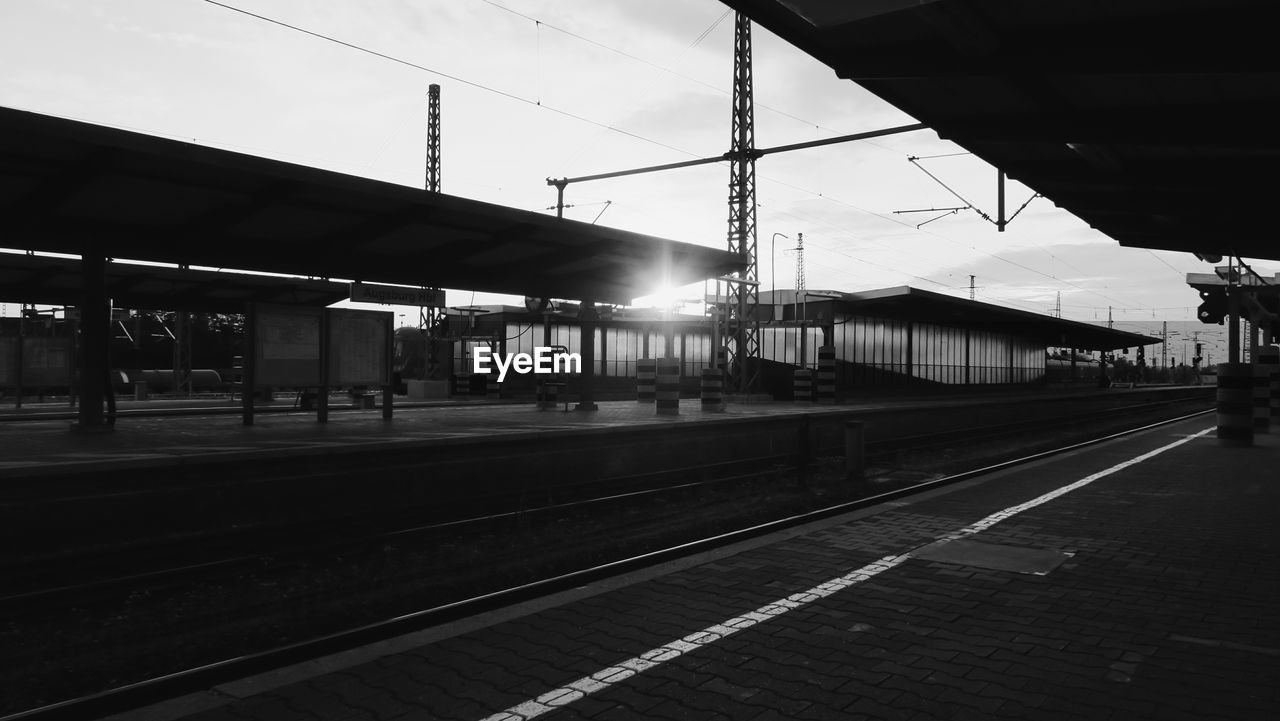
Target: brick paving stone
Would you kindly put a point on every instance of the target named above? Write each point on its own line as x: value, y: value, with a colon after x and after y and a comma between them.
x: 880, y: 694
x: 685, y: 702
x: 588, y: 707
x: 270, y: 707
x: 386, y: 706
x: 876, y: 710
x: 222, y: 713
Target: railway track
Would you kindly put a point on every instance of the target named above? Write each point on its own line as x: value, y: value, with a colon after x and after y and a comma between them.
x: 769, y: 474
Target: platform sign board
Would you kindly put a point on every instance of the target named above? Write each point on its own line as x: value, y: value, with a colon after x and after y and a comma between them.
x: 9, y: 362
x: 358, y: 343
x: 396, y: 295
x: 286, y: 348
x: 46, y: 361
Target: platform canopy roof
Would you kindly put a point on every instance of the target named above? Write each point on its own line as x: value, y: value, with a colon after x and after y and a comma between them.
x: 56, y: 281
x: 71, y: 187
x: 923, y: 306
x: 1151, y: 120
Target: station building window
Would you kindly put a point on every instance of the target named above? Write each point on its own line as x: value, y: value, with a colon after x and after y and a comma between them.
x: 697, y: 352
x: 783, y: 345
x: 937, y: 353
x: 877, y: 344
x: 623, y: 347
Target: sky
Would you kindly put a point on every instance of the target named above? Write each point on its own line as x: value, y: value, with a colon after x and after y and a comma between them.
x: 533, y: 89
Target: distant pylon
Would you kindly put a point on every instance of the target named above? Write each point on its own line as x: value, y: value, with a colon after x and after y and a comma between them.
x: 800, y: 286
x: 743, y: 336
x: 433, y: 139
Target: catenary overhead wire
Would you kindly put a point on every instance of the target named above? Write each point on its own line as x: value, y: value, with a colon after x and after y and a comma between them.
x: 892, y: 269
x: 939, y: 236
x: 657, y: 66
x: 479, y: 86
x: 591, y: 121
x: 1162, y: 260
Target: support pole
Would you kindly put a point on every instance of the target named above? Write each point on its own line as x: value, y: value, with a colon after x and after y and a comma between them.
x: 95, y: 317
x: 1233, y: 313
x: 586, y: 391
x: 1000, y: 219
x: 248, y: 376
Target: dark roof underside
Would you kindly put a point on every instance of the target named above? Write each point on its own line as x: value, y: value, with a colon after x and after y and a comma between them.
x: 1153, y: 121
x: 69, y: 187
x: 56, y: 281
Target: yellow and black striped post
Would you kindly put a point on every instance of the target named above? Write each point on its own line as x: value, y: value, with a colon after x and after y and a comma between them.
x: 802, y: 390
x: 668, y: 387
x: 826, y: 375
x: 548, y: 395
x: 646, y: 380
x: 712, y: 389
x: 1235, y: 404
x: 1269, y: 404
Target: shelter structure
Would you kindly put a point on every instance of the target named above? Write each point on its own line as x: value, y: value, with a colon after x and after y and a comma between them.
x: 98, y: 193
x: 886, y: 339
x: 1149, y: 120
x: 904, y: 337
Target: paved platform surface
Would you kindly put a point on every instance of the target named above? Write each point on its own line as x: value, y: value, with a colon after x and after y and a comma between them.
x: 181, y: 429
x: 1136, y: 579
x: 38, y: 436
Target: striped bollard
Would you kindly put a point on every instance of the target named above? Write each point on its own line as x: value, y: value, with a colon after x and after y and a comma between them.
x: 712, y: 389
x: 803, y: 385
x: 668, y: 387
x: 1262, y: 396
x: 826, y: 394
x: 547, y: 396
x: 1269, y: 356
x: 646, y: 380
x: 1235, y: 404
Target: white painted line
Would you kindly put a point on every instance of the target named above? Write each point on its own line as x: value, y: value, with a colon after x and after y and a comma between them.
x: 607, y: 677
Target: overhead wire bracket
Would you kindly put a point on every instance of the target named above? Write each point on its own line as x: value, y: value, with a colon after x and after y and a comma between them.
x: 999, y: 222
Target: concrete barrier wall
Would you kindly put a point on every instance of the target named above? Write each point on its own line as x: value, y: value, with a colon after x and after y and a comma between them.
x: 263, y: 488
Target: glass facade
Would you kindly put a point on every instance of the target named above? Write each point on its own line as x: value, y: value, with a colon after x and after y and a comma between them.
x: 617, y: 348
x: 783, y: 345
x: 871, y: 351
x: 938, y: 353
x: 880, y: 351
x: 874, y: 343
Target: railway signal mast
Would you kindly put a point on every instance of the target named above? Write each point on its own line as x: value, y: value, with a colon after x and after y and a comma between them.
x: 742, y: 335
x: 738, y: 321
x: 433, y: 138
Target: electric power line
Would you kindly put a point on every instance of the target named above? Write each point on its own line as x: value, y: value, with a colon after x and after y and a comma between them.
x: 479, y: 86
x: 609, y: 127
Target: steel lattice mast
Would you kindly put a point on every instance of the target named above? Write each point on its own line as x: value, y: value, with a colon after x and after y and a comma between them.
x: 743, y: 336
x: 433, y: 139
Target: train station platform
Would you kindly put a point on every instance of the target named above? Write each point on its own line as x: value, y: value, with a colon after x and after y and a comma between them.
x: 183, y: 431
x: 1133, y: 579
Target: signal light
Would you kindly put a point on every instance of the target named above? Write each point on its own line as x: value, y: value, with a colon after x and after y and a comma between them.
x: 1214, y: 308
